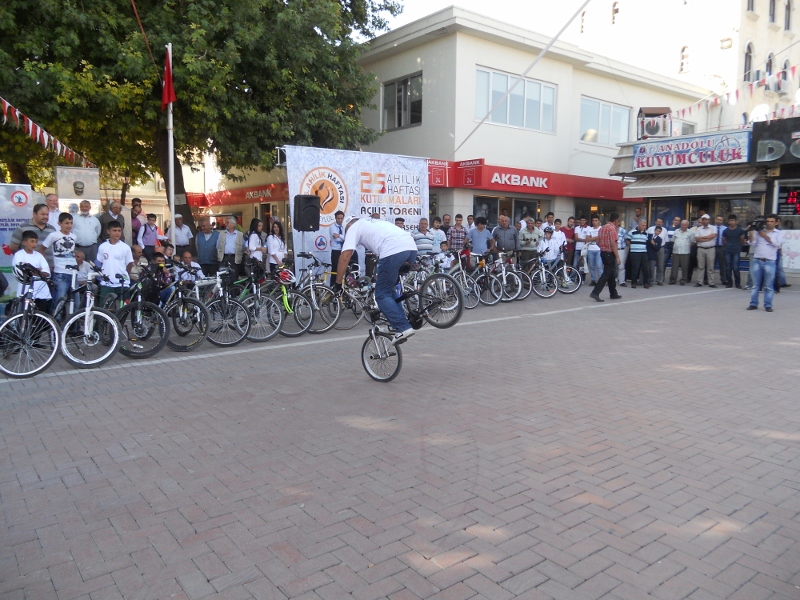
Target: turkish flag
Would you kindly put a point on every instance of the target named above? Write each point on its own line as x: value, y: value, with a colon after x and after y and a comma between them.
x: 168, y: 93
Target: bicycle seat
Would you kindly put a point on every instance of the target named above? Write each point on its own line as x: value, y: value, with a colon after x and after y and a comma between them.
x: 73, y: 267
x: 121, y: 277
x: 304, y: 255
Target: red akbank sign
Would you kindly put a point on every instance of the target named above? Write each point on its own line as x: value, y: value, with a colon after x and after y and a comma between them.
x: 701, y: 151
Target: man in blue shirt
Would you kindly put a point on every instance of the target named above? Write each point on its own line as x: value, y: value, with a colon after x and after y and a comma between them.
x: 337, y: 240
x: 480, y: 238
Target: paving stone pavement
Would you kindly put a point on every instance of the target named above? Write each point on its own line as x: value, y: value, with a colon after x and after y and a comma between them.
x: 648, y: 448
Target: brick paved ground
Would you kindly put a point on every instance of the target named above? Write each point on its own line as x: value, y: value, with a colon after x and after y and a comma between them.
x: 547, y: 449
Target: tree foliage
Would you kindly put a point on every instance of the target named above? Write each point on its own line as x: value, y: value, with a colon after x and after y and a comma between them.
x: 250, y: 75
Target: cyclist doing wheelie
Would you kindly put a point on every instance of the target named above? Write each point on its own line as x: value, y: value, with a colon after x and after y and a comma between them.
x: 394, y: 247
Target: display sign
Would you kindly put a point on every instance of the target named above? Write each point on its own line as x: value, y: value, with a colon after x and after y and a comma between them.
x: 776, y: 142
x: 788, y: 204
x: 712, y: 150
x: 790, y: 250
x: 76, y: 184
x: 359, y: 184
x: 16, y: 208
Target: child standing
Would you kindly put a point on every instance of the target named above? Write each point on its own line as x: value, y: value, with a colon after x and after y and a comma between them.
x: 28, y: 254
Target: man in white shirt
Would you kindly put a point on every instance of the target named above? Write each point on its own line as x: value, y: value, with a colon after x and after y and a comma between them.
x: 705, y: 236
x: 115, y: 258
x: 86, y: 228
x: 188, y: 263
x: 62, y: 244
x: 183, y: 235
x: 558, y: 235
x: 52, y: 204
x: 763, y: 264
x: 580, y: 241
x: 719, y: 248
x: 230, y: 246
x: 394, y: 248
x: 595, y: 261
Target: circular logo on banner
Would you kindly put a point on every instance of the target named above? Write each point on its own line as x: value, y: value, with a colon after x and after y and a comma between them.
x: 329, y: 186
x: 321, y: 243
x: 19, y: 198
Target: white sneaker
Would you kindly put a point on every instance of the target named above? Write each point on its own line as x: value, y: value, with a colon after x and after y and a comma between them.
x: 402, y: 336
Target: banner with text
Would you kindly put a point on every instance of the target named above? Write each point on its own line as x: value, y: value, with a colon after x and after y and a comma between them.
x: 358, y: 184
x: 16, y: 208
x: 712, y: 150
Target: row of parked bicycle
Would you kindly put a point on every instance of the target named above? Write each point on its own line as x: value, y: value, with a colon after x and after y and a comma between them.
x: 141, y: 319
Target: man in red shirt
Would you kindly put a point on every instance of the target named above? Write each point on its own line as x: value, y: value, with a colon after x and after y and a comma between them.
x: 569, y: 233
x: 609, y: 254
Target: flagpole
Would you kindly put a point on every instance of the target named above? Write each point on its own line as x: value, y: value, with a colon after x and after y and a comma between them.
x: 171, y: 155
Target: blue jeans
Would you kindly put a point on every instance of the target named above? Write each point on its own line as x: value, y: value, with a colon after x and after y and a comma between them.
x: 62, y: 283
x: 732, y: 275
x: 595, y: 264
x: 763, y: 271
x: 164, y: 294
x: 386, y: 285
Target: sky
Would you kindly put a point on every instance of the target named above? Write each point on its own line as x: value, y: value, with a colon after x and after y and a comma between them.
x: 540, y: 16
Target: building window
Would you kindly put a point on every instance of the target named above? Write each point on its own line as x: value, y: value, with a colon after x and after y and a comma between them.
x: 751, y: 5
x: 768, y: 65
x: 531, y: 104
x: 748, y: 63
x: 603, y: 123
x: 771, y: 11
x: 787, y: 16
x: 684, y: 65
x: 745, y: 118
x: 614, y: 12
x: 583, y: 21
x: 402, y: 103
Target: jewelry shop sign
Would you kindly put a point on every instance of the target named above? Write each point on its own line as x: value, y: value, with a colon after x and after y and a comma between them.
x: 712, y: 150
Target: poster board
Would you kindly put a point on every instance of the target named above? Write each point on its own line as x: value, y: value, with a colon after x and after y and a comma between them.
x: 74, y: 184
x: 16, y: 207
x: 358, y: 184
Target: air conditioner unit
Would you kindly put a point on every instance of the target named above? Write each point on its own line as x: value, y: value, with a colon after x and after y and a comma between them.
x: 161, y: 185
x: 650, y: 127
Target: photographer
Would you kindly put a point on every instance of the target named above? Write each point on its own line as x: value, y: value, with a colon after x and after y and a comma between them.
x: 766, y: 241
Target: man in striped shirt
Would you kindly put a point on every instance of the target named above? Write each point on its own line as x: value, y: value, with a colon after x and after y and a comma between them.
x: 609, y: 254
x: 638, y: 254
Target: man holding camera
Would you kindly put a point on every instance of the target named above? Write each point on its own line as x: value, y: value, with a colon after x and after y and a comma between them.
x: 766, y: 241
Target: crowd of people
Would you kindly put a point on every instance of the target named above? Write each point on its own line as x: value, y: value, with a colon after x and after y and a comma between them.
x: 641, y: 253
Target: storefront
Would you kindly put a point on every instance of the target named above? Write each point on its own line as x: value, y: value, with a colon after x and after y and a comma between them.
x: 490, y: 191
x: 690, y: 176
x: 246, y: 203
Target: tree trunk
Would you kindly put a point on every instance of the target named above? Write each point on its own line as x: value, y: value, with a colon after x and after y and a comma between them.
x: 181, y: 205
x: 19, y: 173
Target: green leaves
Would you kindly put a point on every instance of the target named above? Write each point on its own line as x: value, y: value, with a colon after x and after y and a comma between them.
x: 250, y: 75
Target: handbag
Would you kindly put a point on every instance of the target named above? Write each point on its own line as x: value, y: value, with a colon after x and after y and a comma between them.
x: 585, y: 250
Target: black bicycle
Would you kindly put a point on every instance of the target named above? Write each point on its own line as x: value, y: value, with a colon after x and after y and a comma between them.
x: 439, y: 301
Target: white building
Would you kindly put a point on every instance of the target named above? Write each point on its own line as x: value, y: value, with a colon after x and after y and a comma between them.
x: 549, y: 146
x: 723, y: 45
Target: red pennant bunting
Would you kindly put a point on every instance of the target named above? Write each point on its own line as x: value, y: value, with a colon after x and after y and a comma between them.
x: 793, y: 71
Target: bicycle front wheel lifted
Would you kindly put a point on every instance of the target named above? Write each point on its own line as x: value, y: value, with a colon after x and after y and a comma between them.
x: 442, y: 301
x: 90, y: 340
x: 28, y: 344
x: 381, y: 360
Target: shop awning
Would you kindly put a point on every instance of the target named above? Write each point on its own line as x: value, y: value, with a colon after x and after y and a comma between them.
x: 738, y: 181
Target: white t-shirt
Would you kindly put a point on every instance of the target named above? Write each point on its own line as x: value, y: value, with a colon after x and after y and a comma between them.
x: 381, y: 237
x: 40, y: 289
x: 581, y: 232
x: 253, y: 242
x: 114, y: 259
x: 551, y: 247
x: 275, y: 246
x: 63, y: 251
x: 592, y: 232
x: 559, y: 237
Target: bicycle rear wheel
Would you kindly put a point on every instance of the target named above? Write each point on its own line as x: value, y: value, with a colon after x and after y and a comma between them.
x: 88, y: 341
x: 569, y: 279
x: 490, y: 287
x: 298, y: 317
x: 28, y: 344
x: 229, y: 322
x: 144, y: 329
x: 189, y: 320
x: 544, y: 283
x: 327, y: 309
x: 441, y: 300
x: 471, y: 292
x: 266, y: 318
x: 352, y: 312
x: 381, y: 361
